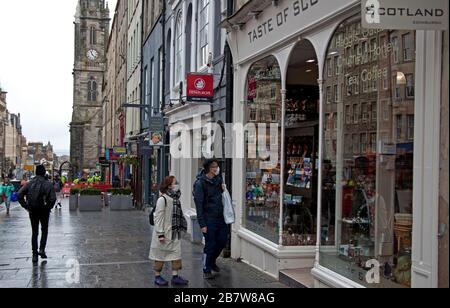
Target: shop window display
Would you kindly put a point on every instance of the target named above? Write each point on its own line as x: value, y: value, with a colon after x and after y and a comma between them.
x: 368, y: 182
x: 300, y: 174
x: 263, y: 106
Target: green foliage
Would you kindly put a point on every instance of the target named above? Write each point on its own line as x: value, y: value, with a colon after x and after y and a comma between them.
x: 91, y: 192
x: 74, y: 191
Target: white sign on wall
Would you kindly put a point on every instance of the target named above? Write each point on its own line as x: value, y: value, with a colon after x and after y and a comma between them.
x: 286, y: 19
x: 405, y: 14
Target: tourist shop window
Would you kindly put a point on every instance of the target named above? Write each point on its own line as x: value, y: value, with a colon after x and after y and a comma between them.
x: 263, y: 172
x: 369, y: 179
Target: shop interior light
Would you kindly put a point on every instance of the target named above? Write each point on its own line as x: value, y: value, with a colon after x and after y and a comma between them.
x: 311, y: 61
x: 333, y: 53
x: 401, y: 78
x: 308, y: 71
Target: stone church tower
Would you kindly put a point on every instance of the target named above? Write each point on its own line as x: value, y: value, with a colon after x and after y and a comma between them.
x: 91, y: 37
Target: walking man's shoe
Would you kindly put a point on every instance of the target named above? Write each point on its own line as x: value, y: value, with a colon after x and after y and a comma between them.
x: 208, y: 276
x: 215, y: 268
x: 43, y: 254
x: 35, y: 258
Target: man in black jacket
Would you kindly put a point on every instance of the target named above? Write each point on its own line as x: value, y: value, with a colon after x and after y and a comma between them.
x: 38, y: 198
x: 208, y: 190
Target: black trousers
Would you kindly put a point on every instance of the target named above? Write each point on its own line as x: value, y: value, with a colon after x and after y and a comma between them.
x: 39, y: 217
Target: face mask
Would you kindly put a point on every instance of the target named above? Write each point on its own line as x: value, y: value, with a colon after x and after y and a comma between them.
x: 176, y: 188
x: 217, y: 172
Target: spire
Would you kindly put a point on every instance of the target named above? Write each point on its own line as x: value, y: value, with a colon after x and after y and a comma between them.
x: 78, y: 13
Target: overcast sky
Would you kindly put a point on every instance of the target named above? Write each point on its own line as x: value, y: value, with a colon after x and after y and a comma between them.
x: 36, y: 63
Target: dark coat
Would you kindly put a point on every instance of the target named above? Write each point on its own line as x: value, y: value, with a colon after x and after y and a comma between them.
x: 208, y: 198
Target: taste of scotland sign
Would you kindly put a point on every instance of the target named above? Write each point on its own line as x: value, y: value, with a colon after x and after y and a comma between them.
x: 405, y: 14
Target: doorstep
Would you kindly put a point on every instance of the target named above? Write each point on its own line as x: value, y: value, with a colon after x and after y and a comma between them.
x: 297, y: 278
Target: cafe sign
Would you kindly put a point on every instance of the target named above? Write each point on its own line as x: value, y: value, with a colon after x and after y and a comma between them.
x: 405, y: 14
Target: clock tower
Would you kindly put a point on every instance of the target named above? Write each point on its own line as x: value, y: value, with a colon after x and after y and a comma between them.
x: 91, y: 37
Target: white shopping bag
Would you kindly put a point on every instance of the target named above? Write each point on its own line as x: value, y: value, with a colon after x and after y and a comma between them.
x: 228, y: 210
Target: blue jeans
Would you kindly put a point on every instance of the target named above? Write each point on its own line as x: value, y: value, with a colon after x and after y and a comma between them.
x: 215, y: 241
x: 8, y: 202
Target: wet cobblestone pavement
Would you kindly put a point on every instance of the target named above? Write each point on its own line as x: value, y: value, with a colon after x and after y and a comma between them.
x: 111, y: 249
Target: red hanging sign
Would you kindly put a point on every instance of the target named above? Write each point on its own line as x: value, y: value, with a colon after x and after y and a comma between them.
x: 200, y: 87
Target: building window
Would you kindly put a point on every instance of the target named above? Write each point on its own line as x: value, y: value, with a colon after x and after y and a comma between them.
x: 92, y: 90
x: 367, y: 191
x: 146, y: 91
x: 355, y: 144
x: 337, y: 66
x: 399, y: 125
x: 355, y: 114
x: 408, y: 47
x: 336, y: 93
x: 363, y: 143
x: 329, y: 67
x: 374, y: 110
x: 93, y: 36
x: 411, y: 127
x: 364, y: 113
x: 348, y: 114
x: 395, y: 46
x: 409, y: 85
x: 262, y: 206
x: 203, y: 32
x: 178, y: 49
x: 373, y: 142
x: 329, y: 95
x: 397, y: 91
x: 154, y: 98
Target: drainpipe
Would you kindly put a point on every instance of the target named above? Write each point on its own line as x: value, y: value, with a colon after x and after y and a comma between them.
x: 229, y: 115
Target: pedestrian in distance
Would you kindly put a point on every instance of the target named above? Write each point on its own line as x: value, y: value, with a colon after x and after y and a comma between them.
x: 208, y: 192
x: 169, y: 224
x: 38, y: 198
x: 6, y: 191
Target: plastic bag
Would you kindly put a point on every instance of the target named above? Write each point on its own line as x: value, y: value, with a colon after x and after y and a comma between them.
x: 228, y: 210
x: 14, y: 197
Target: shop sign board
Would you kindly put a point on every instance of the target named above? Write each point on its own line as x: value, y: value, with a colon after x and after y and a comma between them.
x: 277, y: 23
x: 119, y: 150
x: 200, y: 87
x: 405, y: 14
x: 111, y: 156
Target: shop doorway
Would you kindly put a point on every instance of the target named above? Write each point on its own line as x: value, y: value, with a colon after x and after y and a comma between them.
x: 301, y: 147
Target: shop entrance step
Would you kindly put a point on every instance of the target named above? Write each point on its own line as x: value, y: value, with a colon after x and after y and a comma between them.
x: 297, y: 278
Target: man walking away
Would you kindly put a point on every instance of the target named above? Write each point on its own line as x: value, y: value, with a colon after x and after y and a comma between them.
x: 38, y: 198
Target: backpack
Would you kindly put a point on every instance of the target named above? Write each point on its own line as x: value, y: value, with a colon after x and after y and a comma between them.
x: 35, y: 197
x: 151, y: 217
x: 205, y: 189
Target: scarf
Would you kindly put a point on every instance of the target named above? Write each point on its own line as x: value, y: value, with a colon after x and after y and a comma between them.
x: 179, y: 223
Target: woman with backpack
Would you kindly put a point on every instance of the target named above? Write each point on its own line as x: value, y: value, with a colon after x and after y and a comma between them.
x: 6, y: 191
x: 169, y: 223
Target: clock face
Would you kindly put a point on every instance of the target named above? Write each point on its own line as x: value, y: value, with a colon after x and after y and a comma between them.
x: 92, y: 54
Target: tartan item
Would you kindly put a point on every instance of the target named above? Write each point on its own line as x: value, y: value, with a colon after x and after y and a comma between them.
x: 179, y: 223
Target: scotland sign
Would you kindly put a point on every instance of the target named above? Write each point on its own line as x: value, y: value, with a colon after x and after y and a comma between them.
x: 405, y: 14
